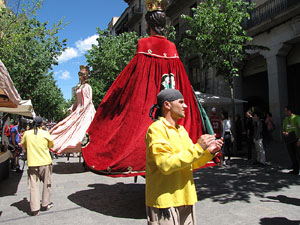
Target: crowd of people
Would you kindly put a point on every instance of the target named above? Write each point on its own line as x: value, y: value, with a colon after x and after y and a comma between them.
x: 11, y: 135
x: 256, y: 134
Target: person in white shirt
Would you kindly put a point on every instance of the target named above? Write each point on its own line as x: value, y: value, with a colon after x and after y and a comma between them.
x: 227, y: 135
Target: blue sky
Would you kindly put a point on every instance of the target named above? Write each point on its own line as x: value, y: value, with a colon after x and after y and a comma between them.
x: 83, y: 18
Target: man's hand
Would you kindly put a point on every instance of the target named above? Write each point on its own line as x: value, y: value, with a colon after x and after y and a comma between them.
x: 215, y: 146
x: 206, y: 140
x: 209, y: 142
x: 285, y: 133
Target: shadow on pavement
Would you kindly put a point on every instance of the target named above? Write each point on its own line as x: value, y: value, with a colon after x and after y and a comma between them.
x: 117, y: 200
x: 9, y: 186
x: 283, y: 199
x: 23, y: 205
x: 68, y: 168
x: 240, y: 180
x: 278, y: 221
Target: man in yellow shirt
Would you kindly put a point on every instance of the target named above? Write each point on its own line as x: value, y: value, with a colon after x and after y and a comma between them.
x: 37, y: 143
x: 171, y: 157
x: 291, y: 133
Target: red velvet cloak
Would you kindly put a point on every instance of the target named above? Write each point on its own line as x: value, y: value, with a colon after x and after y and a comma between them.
x: 116, y: 145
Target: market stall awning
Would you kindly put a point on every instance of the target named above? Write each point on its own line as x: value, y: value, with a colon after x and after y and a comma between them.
x: 213, y: 100
x: 24, y: 108
x: 9, y: 97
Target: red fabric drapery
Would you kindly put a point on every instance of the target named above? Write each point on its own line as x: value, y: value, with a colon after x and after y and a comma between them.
x: 117, y: 134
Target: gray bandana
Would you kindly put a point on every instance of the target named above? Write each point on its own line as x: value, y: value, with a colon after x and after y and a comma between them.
x: 169, y: 95
x: 38, y: 120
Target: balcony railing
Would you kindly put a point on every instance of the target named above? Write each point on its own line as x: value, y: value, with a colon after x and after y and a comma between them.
x: 268, y: 10
x: 134, y: 14
x: 180, y: 32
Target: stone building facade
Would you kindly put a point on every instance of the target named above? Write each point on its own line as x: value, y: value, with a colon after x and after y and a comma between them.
x: 132, y: 19
x: 269, y: 79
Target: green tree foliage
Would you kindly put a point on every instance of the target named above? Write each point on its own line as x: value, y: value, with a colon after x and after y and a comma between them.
x: 28, y: 48
x: 108, y: 59
x: 216, y: 32
x: 55, y: 107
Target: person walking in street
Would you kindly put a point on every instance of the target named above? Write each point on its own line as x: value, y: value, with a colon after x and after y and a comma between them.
x: 227, y: 135
x: 170, y: 158
x: 37, y: 143
x: 14, y: 140
x: 270, y: 128
x: 5, y: 136
x: 258, y: 139
x: 291, y: 126
x: 249, y: 132
x: 216, y: 123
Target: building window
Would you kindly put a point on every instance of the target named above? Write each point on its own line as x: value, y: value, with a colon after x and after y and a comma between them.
x: 140, y: 30
x: 197, y: 74
x: 176, y: 26
x: 191, y: 10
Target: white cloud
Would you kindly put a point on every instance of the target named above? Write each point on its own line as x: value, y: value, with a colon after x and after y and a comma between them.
x: 80, y: 47
x: 86, y: 44
x: 65, y: 75
x: 68, y: 54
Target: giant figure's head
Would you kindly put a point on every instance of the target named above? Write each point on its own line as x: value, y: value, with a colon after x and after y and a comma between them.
x: 83, y: 74
x: 156, y: 17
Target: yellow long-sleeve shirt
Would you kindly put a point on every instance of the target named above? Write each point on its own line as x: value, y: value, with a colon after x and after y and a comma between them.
x: 170, y: 158
x: 37, y: 147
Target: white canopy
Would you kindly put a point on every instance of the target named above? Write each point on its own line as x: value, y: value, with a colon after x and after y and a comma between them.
x: 213, y: 100
x: 9, y: 96
x: 24, y: 108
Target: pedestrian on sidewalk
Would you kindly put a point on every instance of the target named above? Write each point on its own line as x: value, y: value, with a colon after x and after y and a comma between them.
x: 171, y: 157
x: 258, y: 139
x: 249, y: 132
x: 291, y: 127
x: 269, y: 126
x: 228, y: 138
x: 5, y: 138
x: 216, y: 122
x: 14, y: 140
x: 37, y: 143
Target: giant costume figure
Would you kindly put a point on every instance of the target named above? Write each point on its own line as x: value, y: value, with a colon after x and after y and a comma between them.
x: 115, y: 140
x: 69, y: 132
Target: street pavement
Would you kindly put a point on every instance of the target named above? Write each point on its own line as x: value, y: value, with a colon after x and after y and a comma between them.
x: 240, y: 193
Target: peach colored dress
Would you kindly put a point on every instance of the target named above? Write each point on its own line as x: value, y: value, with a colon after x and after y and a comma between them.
x: 69, y: 132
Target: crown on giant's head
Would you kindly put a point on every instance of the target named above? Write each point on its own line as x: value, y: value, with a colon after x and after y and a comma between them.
x: 156, y: 5
x: 83, y: 67
x: 84, y: 71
